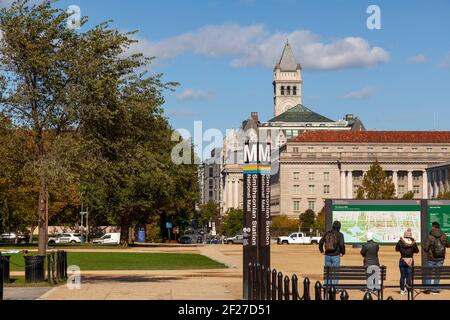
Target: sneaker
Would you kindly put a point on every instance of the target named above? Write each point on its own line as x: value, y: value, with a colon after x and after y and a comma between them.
x: 403, y: 292
x: 434, y: 292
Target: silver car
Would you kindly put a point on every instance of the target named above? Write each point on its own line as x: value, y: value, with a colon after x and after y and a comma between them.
x: 237, y: 239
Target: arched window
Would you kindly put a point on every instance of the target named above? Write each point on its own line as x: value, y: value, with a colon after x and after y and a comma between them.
x: 288, y: 90
x: 282, y: 90
x: 294, y: 90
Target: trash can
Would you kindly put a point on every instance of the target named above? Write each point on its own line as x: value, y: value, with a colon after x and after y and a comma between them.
x: 141, y: 235
x: 5, y: 264
x: 34, y: 269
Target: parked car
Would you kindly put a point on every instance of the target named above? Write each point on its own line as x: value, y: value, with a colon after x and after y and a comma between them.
x: 108, y: 238
x: 65, y: 238
x: 238, y: 239
x: 298, y: 238
x: 185, y: 240
x: 14, y: 238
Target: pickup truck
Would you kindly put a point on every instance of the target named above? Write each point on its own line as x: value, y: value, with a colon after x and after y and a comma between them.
x: 298, y: 238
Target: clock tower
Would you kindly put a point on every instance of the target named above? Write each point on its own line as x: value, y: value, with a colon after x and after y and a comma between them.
x: 287, y: 84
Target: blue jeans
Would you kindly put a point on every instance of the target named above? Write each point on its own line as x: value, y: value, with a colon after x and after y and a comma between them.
x: 405, y: 274
x: 435, y: 264
x: 332, y: 261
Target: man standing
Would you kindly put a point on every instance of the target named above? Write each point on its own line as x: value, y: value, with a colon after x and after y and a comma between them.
x: 333, y: 246
x: 435, y: 249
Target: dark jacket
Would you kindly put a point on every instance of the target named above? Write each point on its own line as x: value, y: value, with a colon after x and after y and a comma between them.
x: 407, y: 247
x: 340, y: 248
x: 435, y: 234
x: 370, y: 253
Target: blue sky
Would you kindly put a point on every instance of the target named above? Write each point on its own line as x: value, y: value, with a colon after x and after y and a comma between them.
x: 222, y: 54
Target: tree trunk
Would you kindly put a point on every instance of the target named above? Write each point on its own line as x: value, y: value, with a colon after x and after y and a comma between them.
x: 43, y: 229
x: 124, y: 234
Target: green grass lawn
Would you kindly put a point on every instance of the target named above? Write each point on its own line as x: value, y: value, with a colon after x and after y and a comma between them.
x: 130, y: 261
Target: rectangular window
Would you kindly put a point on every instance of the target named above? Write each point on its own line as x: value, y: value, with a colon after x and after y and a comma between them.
x: 310, y: 148
x: 429, y: 149
x: 311, y: 204
x: 401, y: 189
x: 210, y: 194
x: 326, y: 189
x: 326, y: 176
x: 295, y: 149
x: 294, y: 90
x: 311, y: 188
x: 416, y: 189
x: 296, y: 205
x: 295, y: 133
x: 296, y: 176
x: 288, y: 90
x: 311, y: 176
x: 282, y: 90
x: 296, y: 189
x: 211, y: 172
x: 416, y: 178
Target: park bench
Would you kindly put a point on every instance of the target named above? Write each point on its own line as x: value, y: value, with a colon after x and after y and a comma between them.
x: 357, y: 274
x: 421, y: 274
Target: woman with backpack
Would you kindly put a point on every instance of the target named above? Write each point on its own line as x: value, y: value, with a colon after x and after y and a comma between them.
x: 435, y: 249
x: 407, y: 247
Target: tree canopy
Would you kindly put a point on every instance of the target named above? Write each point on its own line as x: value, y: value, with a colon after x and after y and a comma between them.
x: 376, y: 185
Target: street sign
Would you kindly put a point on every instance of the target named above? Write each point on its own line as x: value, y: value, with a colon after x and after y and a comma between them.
x: 83, y: 213
x: 168, y: 225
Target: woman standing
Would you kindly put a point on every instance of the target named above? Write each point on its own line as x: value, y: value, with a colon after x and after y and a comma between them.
x: 407, y: 247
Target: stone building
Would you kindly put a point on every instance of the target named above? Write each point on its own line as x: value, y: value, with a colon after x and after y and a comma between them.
x: 438, y: 179
x: 317, y: 165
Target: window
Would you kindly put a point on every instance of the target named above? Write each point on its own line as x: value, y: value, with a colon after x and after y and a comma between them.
x: 288, y: 133
x: 369, y: 148
x: 310, y: 148
x: 311, y: 204
x: 414, y: 149
x: 288, y: 90
x: 325, y: 148
x: 429, y: 149
x: 294, y: 90
x: 340, y: 148
x: 296, y: 189
x: 311, y: 176
x: 296, y: 176
x: 416, y: 177
x: 296, y: 205
x: 282, y: 90
x: 326, y: 176
x: 295, y: 149
x: 211, y: 183
x: 211, y: 172
x: 416, y: 189
x: 401, y: 177
x: 401, y: 189
x: 444, y: 149
x: 326, y: 189
x: 295, y: 133
x: 210, y: 194
x: 385, y: 148
x: 311, y: 188
x: 355, y: 148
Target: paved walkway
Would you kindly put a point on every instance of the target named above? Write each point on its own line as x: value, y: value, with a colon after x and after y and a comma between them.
x: 24, y: 293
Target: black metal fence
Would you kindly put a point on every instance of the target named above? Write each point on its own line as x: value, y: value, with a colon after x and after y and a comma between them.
x: 56, y: 267
x: 268, y: 284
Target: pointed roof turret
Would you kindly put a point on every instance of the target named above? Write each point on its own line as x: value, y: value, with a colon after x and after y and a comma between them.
x: 288, y: 61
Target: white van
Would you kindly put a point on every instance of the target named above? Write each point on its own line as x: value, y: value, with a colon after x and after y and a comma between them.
x: 108, y: 238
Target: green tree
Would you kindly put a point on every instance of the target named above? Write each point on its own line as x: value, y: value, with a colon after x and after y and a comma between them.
x: 207, y: 212
x: 319, y: 224
x: 233, y: 223
x: 408, y: 195
x: 282, y: 225
x: 307, y: 219
x: 444, y: 195
x: 376, y: 185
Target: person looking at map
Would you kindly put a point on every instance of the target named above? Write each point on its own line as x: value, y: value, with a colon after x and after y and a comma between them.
x: 334, y: 244
x: 435, y: 249
x: 407, y: 247
x: 369, y: 251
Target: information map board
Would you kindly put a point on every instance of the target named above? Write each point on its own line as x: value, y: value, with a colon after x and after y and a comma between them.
x: 386, y: 219
x: 439, y: 211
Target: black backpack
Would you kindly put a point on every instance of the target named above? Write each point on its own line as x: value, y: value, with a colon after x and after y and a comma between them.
x: 331, y: 241
x: 438, y: 249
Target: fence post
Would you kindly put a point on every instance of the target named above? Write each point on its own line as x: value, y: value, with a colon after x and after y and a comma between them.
x: 286, y: 288
x: 280, y: 286
x: 274, y: 284
x: 268, y: 288
x: 255, y: 281
x: 344, y: 295
x: 295, y: 295
x: 58, y: 269
x: 263, y: 283
x: 65, y: 265
x: 306, y: 290
x: 1, y: 277
x: 53, y: 267
x: 367, y: 296
x: 49, y: 270
x: 318, y: 291
x: 332, y: 293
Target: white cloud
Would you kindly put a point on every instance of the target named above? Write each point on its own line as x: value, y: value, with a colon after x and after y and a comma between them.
x: 253, y: 45
x: 363, y: 93
x: 194, y: 94
x: 446, y: 62
x: 418, y: 59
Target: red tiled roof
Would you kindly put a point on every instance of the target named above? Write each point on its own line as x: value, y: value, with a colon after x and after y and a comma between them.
x: 374, y: 136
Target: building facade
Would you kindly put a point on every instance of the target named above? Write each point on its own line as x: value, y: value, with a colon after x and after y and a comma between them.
x: 438, y: 179
x: 317, y: 165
